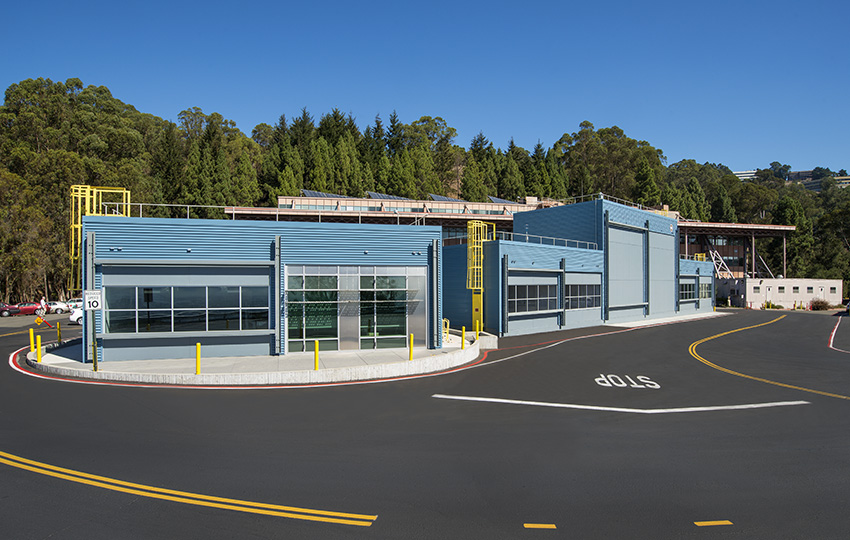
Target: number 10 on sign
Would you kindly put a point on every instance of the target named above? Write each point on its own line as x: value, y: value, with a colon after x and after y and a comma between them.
x: 93, y: 300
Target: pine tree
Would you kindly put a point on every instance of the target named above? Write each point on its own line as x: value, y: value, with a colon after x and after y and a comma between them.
x: 647, y: 192
x: 472, y: 186
x: 701, y: 209
x: 722, y: 210
x: 320, y: 174
x: 402, y: 180
x: 511, y: 186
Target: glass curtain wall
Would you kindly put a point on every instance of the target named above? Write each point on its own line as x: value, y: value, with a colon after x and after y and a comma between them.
x: 355, y: 307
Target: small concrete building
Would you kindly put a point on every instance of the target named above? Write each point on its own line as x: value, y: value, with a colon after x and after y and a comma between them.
x: 755, y: 293
x: 579, y: 265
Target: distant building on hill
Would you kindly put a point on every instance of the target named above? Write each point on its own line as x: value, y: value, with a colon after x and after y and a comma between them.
x: 800, y: 176
x: 745, y: 175
x: 814, y: 185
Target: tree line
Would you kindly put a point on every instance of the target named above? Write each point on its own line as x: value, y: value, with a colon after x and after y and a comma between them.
x: 56, y: 134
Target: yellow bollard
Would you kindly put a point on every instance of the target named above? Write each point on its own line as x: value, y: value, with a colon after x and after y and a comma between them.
x: 38, y: 348
x: 58, y: 333
x: 197, y: 358
x: 316, y: 355
x: 477, y: 323
x: 94, y: 355
x: 32, y: 341
x: 410, y: 347
x: 463, y: 337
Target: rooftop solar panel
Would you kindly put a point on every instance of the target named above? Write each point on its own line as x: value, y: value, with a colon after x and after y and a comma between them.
x: 443, y: 198
x: 373, y: 195
x: 500, y: 201
x: 311, y: 193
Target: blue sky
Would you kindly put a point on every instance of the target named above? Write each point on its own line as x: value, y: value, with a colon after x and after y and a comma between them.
x: 742, y: 83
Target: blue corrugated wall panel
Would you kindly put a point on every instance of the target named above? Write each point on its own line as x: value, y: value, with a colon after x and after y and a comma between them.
x: 457, y: 299
x: 635, y: 217
x: 689, y: 267
x: 522, y: 255
x: 582, y: 221
x: 120, y: 238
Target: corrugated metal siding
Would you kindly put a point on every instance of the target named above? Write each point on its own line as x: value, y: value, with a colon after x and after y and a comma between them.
x: 522, y: 255
x: 523, y: 325
x: 689, y: 267
x: 581, y: 221
x: 120, y: 238
x: 634, y: 217
x: 457, y: 299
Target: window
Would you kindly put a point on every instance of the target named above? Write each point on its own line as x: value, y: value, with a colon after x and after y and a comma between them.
x: 810, y: 290
x: 705, y: 290
x: 582, y: 296
x: 687, y: 291
x: 312, y: 303
x: 781, y: 289
x: 532, y: 298
x: 832, y: 290
x: 756, y: 289
x: 185, y: 309
x: 383, y: 311
x: 351, y: 307
x: 795, y: 290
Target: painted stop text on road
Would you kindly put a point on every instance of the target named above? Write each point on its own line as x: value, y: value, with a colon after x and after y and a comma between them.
x: 626, y: 381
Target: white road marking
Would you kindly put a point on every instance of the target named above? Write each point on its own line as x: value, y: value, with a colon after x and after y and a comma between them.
x: 623, y: 409
x: 832, y: 337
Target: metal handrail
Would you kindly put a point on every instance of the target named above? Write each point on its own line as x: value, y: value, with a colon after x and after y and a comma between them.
x: 545, y: 240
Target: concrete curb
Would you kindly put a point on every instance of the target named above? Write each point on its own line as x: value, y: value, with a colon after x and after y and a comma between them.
x: 432, y: 364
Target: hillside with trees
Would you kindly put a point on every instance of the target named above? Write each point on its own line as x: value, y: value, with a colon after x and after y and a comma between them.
x: 56, y: 134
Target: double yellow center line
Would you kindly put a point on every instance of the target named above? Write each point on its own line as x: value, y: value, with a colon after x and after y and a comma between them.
x: 196, y: 499
x: 693, y: 350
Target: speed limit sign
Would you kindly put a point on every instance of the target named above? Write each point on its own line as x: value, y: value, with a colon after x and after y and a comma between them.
x: 93, y: 300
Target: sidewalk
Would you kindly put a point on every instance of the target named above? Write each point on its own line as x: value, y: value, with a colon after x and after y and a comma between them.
x: 290, y: 369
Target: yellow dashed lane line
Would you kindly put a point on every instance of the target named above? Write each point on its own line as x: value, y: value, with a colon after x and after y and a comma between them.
x: 185, y: 497
x: 693, y: 350
x: 712, y: 523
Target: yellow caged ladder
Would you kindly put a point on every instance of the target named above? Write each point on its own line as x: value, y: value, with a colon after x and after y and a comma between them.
x: 477, y: 232
x: 88, y: 201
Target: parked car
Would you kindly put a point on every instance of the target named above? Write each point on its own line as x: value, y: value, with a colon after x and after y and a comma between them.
x: 6, y: 310
x: 75, y: 303
x: 58, y: 307
x: 30, y: 308
x: 76, y: 316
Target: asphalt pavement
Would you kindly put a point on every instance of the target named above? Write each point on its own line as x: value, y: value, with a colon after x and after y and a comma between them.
x: 730, y: 427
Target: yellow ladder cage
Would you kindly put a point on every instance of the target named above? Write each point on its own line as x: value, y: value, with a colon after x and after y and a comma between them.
x: 477, y: 232
x: 89, y: 201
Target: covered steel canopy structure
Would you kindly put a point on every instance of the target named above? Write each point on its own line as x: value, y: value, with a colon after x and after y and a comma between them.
x: 733, y: 242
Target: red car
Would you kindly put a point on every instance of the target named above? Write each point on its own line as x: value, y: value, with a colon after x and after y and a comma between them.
x: 30, y: 308
x: 7, y: 310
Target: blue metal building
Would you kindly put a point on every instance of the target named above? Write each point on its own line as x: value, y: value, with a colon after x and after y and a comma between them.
x: 244, y: 288
x: 620, y: 264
